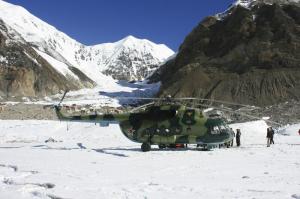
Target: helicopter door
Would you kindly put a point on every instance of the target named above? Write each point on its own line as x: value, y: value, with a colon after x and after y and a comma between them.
x: 189, y: 117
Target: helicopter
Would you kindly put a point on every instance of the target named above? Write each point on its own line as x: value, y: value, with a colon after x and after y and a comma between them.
x: 165, y: 123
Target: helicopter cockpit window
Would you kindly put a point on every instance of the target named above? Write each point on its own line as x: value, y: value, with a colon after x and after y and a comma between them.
x: 218, y: 129
x: 226, y: 129
x: 215, y: 130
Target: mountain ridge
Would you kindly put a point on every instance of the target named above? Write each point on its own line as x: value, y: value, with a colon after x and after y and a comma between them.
x: 250, y: 56
x: 89, y: 59
x: 127, y: 59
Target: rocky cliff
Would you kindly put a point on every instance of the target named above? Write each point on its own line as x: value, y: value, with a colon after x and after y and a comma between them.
x: 23, y: 72
x: 251, y: 54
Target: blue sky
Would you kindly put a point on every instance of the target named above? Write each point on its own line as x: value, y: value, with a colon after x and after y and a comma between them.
x: 97, y: 21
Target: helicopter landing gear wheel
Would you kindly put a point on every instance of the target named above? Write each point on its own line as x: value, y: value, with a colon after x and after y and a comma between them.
x: 231, y: 143
x: 162, y: 146
x: 228, y: 144
x: 146, y: 147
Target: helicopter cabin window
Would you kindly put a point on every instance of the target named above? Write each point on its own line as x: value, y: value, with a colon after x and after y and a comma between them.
x: 161, y: 114
x: 166, y: 114
x: 189, y: 117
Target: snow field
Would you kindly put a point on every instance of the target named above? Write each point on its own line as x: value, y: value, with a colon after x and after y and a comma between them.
x: 89, y: 161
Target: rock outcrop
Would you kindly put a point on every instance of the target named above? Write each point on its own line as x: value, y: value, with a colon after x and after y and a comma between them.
x: 250, y: 55
x: 24, y: 73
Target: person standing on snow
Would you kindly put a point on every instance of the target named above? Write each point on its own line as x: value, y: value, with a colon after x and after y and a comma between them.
x: 272, y: 136
x: 268, y: 137
x: 238, y: 137
x: 231, y: 144
x: 299, y: 132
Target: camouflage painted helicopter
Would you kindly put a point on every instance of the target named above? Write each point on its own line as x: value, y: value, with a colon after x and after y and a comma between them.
x: 165, y: 124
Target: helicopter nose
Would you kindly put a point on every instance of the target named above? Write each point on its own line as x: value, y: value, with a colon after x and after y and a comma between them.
x: 128, y: 130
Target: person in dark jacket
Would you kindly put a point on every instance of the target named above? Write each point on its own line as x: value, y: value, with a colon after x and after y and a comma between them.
x: 238, y: 137
x: 231, y: 144
x: 272, y: 135
x: 268, y: 137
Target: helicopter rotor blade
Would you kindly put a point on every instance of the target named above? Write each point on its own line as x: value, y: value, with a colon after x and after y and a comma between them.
x: 171, y: 99
x: 188, y: 98
x: 113, y: 98
x: 48, y: 106
x: 140, y: 107
x: 52, y: 106
x: 139, y: 98
x: 63, y: 97
x: 216, y: 101
x: 239, y: 113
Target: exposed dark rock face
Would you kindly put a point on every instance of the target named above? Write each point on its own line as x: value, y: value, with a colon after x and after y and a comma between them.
x: 24, y: 73
x: 129, y: 67
x: 250, y: 56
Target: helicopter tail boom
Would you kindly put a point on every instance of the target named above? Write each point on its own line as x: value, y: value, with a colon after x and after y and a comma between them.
x: 104, y: 119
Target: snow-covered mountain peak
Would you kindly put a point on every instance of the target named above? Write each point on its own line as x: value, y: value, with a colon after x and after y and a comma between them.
x: 244, y: 3
x: 130, y: 39
x: 29, y: 26
x: 160, y: 51
x: 250, y: 3
x: 6, y: 5
x: 128, y: 56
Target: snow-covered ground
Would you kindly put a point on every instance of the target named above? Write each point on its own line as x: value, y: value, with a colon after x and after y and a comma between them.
x: 89, y: 161
x: 109, y: 94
